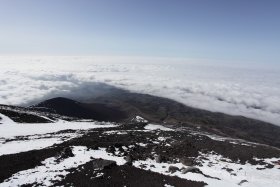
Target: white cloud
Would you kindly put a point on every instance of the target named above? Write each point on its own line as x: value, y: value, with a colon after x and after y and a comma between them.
x: 252, y: 92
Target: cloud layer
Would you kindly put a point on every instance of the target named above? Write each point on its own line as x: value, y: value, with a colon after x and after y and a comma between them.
x: 252, y: 91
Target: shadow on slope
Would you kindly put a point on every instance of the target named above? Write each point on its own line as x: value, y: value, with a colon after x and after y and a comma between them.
x: 96, y: 111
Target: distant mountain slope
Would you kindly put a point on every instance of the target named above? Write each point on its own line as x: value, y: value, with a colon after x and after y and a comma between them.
x: 117, y: 105
x: 96, y: 111
x: 172, y: 112
x: 121, y: 106
x: 160, y: 109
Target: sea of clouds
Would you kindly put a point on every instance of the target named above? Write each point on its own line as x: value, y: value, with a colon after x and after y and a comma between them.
x: 252, y: 91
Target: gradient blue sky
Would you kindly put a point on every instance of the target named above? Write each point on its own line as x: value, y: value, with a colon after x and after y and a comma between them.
x: 247, y: 30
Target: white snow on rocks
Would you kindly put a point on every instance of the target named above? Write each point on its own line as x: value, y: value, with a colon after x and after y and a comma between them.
x: 139, y: 119
x: 55, y: 170
x: 167, y: 185
x: 255, y: 177
x: 8, y: 130
x: 215, y: 166
x: 25, y: 137
x: 142, y: 144
x: 157, y: 127
x: 35, y: 134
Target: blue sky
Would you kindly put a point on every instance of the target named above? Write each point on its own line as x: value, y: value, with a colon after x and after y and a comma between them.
x: 246, y: 30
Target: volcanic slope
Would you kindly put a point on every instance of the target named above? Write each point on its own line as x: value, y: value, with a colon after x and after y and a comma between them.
x: 144, y: 147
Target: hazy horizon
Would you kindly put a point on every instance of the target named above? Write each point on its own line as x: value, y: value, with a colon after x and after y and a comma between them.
x: 244, y: 31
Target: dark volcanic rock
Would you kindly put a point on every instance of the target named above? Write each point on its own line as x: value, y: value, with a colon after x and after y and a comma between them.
x: 123, y: 176
x: 111, y: 149
x: 129, y: 160
x: 241, y: 182
x: 66, y: 152
x: 173, y: 169
x: 158, y: 159
x: 187, y: 161
x: 191, y: 169
x: 103, y: 164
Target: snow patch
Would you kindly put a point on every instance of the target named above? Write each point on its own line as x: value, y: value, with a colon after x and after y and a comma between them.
x: 157, y: 127
x: 140, y: 119
x: 36, y: 142
x: 5, y: 120
x: 21, y: 137
x: 9, y: 130
x: 27, y: 145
